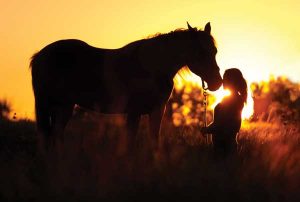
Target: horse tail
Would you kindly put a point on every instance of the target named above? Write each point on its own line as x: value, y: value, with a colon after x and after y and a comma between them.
x: 33, y: 60
x: 42, y: 108
x: 43, y: 116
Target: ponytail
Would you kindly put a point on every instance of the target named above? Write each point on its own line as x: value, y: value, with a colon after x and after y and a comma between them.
x: 235, y: 77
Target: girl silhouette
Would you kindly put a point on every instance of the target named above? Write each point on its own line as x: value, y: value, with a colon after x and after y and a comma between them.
x: 228, y: 114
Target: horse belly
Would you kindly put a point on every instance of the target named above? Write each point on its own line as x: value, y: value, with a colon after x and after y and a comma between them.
x: 89, y: 92
x: 105, y: 104
x: 148, y: 94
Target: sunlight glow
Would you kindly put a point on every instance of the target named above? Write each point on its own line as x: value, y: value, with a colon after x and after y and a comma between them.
x: 249, y: 106
x: 248, y: 109
x: 261, y: 44
x: 186, y: 78
x: 219, y: 95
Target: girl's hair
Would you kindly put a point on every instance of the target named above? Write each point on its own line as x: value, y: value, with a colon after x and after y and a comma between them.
x: 235, y: 77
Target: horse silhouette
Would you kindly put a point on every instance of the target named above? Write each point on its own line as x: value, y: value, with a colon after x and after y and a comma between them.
x: 136, y: 79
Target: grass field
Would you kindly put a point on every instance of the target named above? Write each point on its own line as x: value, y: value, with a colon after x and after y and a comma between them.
x: 94, y: 165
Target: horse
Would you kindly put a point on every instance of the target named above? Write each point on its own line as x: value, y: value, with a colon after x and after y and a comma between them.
x: 136, y: 79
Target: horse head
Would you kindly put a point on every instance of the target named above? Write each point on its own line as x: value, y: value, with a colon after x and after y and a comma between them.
x: 202, y: 56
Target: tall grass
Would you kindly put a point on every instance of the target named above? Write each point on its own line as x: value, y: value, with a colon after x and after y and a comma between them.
x: 95, y: 165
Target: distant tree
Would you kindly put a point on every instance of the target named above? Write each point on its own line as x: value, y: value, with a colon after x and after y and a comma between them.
x: 5, y: 109
x: 282, y: 97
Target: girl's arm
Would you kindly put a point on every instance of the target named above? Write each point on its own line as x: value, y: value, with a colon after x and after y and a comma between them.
x: 226, y: 119
x: 214, y: 126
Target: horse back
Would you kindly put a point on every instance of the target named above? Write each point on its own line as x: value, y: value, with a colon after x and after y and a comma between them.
x: 71, y: 71
x: 67, y: 69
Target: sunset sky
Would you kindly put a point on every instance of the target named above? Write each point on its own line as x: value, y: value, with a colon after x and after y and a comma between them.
x: 259, y: 37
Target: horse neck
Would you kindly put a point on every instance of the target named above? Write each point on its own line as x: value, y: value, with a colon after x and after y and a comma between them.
x: 166, y: 53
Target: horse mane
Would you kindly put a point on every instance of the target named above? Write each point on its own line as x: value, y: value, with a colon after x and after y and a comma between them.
x: 177, y: 31
x: 158, y: 34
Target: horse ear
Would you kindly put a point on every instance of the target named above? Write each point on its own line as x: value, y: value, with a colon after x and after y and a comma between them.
x: 207, y: 28
x: 189, y: 26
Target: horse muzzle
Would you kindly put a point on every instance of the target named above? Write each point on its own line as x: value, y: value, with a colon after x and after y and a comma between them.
x: 214, y: 85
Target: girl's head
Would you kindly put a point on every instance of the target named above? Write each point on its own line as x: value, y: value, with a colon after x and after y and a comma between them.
x: 234, y: 81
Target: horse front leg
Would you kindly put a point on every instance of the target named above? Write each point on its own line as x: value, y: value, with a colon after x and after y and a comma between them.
x: 133, y: 120
x: 155, y: 120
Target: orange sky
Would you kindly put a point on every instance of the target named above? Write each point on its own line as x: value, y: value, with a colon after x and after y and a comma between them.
x: 259, y: 37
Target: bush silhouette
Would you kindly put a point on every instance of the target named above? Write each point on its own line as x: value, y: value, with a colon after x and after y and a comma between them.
x: 5, y: 109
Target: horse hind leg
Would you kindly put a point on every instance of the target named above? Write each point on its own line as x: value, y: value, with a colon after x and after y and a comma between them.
x: 51, y: 122
x: 60, y: 116
x: 43, y: 122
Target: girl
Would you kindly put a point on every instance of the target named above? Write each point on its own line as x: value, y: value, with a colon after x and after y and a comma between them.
x: 228, y: 114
